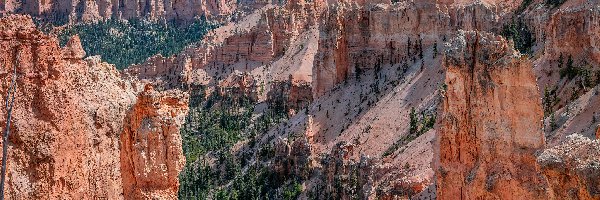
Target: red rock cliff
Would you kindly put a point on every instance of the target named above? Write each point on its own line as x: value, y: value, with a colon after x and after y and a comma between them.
x: 151, y: 154
x: 93, y: 10
x: 490, y: 123
x: 573, y: 168
x: 68, y: 116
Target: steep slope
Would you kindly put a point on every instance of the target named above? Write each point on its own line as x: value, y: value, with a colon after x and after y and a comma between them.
x: 567, y: 64
x: 490, y: 136
x: 360, y: 81
x: 69, y: 114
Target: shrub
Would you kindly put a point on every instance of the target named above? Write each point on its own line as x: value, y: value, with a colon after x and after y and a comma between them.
x: 554, y: 3
x: 520, y: 34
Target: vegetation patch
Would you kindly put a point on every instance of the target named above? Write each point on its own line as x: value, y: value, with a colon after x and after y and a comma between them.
x: 523, y: 38
x: 124, y: 43
x: 420, y: 123
x: 554, y: 3
x: 213, y: 126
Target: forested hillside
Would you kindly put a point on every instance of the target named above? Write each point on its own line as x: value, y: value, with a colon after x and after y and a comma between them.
x: 124, y: 43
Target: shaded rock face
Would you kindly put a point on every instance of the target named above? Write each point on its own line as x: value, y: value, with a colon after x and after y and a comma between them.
x: 151, y: 153
x: 292, y: 159
x: 490, y: 122
x: 67, y: 118
x: 290, y: 96
x: 94, y: 10
x: 573, y: 168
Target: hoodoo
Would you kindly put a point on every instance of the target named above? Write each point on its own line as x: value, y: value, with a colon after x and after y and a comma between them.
x: 491, y: 122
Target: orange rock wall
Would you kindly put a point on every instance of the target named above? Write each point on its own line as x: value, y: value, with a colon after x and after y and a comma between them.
x: 572, y: 168
x: 490, y: 124
x: 67, y: 119
x: 151, y: 154
x: 93, y: 10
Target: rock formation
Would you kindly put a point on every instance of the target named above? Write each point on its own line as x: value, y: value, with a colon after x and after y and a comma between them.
x: 573, y: 168
x: 94, y: 10
x: 68, y: 117
x: 151, y: 154
x: 367, y: 63
x: 490, y: 123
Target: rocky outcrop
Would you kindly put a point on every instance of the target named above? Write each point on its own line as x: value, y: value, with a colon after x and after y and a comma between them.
x: 73, y: 49
x: 93, y: 10
x: 573, y: 168
x: 68, y: 117
x: 289, y: 96
x: 358, y: 35
x: 490, y: 126
x: 151, y: 154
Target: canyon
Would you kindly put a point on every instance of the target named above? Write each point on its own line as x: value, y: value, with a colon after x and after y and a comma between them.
x: 434, y: 99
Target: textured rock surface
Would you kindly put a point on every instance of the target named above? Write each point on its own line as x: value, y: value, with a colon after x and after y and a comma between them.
x: 73, y: 49
x: 151, y: 154
x: 490, y: 123
x: 68, y: 116
x: 350, y: 73
x: 573, y: 168
x: 569, y: 30
x: 362, y: 64
x: 93, y: 10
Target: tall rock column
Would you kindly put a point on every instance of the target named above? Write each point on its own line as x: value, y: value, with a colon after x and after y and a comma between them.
x: 490, y: 123
x: 151, y: 154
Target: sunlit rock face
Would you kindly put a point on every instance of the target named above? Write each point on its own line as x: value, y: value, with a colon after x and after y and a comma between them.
x: 151, y: 154
x: 93, y: 10
x: 72, y: 118
x: 573, y: 168
x: 490, y: 123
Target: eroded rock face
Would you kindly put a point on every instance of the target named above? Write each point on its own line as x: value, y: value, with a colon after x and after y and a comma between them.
x: 67, y: 118
x: 73, y: 49
x: 490, y: 123
x: 66, y: 121
x: 94, y: 10
x: 151, y: 153
x: 573, y: 168
x: 303, y: 51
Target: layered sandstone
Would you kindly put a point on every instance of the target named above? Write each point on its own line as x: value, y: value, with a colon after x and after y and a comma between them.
x: 367, y: 63
x: 570, y: 30
x: 250, y: 46
x: 68, y: 116
x: 151, y: 154
x: 490, y: 123
x: 94, y: 10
